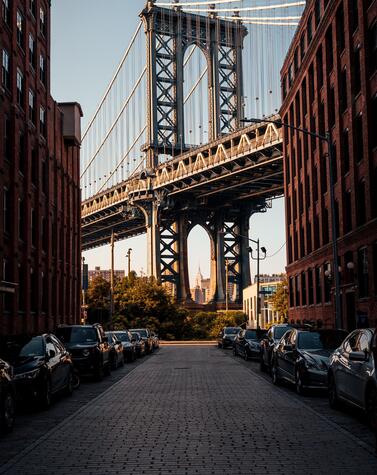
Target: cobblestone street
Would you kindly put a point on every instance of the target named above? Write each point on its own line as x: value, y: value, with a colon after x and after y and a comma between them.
x: 198, y: 410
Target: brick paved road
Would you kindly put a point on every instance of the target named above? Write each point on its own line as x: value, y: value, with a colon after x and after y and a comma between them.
x: 195, y: 410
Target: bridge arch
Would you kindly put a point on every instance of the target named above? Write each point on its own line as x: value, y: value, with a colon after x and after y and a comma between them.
x: 196, y: 94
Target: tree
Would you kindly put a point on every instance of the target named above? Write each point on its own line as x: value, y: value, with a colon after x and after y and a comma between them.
x: 98, y: 300
x: 279, y: 300
x: 230, y: 319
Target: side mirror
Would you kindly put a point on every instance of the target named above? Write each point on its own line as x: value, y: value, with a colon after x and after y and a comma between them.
x: 288, y: 348
x: 105, y: 339
x: 51, y: 354
x: 358, y: 356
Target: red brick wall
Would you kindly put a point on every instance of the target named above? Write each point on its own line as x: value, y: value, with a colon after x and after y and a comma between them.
x: 316, y: 102
x: 46, y: 270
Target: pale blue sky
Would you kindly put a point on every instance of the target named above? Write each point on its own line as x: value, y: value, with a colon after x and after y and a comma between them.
x: 88, y: 40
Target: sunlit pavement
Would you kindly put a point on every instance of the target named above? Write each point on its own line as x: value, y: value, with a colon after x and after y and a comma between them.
x: 198, y: 410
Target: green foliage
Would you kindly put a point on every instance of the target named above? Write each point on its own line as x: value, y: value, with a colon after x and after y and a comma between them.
x: 230, y: 319
x: 279, y: 300
x: 97, y: 296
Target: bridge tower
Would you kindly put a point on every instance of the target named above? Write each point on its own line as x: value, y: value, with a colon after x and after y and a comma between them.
x: 169, y: 32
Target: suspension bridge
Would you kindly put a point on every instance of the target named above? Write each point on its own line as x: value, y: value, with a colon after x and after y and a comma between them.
x: 167, y: 147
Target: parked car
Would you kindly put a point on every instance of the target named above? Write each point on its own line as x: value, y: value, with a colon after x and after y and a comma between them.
x: 139, y: 344
x: 89, y: 348
x: 41, y: 366
x: 352, y: 376
x: 116, y: 351
x: 247, y: 343
x: 302, y: 357
x: 268, y: 342
x: 156, y: 341
x: 129, y: 344
x: 226, y: 337
x: 145, y: 335
x: 7, y: 398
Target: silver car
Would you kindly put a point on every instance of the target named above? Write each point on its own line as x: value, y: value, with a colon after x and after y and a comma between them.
x: 352, y: 374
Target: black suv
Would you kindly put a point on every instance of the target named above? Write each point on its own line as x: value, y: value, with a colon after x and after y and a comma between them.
x: 146, y: 336
x: 269, y: 342
x: 89, y: 347
x: 7, y: 398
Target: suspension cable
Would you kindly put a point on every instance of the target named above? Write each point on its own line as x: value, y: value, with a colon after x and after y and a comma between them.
x: 115, y: 121
x: 112, y: 81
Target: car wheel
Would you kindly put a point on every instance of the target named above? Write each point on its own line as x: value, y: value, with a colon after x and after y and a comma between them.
x: 332, y: 392
x: 7, y: 413
x: 371, y: 407
x: 275, y: 374
x: 69, y: 385
x: 75, y: 379
x: 46, y: 395
x: 298, y: 382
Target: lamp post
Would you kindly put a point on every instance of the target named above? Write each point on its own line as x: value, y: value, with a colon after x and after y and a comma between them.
x: 128, y: 255
x: 325, y: 138
x: 226, y: 285
x: 258, y: 259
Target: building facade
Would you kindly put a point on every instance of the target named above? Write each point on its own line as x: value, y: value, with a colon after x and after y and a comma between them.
x: 267, y: 288
x: 39, y: 180
x: 105, y: 274
x: 329, y: 84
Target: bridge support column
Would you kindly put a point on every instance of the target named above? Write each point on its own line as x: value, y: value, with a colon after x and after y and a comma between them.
x: 183, y: 285
x: 153, y: 240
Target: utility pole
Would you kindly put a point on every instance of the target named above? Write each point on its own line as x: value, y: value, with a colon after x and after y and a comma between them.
x: 128, y: 255
x: 258, y: 259
x: 112, y: 276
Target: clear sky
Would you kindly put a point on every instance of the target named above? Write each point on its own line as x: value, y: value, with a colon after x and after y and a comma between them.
x: 89, y: 38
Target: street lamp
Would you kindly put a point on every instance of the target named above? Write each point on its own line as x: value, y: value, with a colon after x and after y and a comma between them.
x: 325, y: 138
x: 128, y: 255
x: 226, y: 285
x: 258, y: 259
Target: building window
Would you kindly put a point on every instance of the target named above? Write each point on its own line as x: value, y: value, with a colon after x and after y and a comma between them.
x: 373, y: 49
x: 336, y: 219
x: 34, y: 227
x: 356, y: 72
x: 34, y: 167
x: 329, y: 50
x: 375, y: 266
x: 315, y: 184
x: 42, y: 121
x: 304, y: 100
x: 32, y: 55
x: 21, y: 220
x: 21, y: 287
x: 33, y: 7
x: 22, y: 153
x: 309, y: 30
x: 358, y: 138
x: 45, y: 176
x: 302, y: 243
x: 33, y: 291
x: 347, y: 208
x: 42, y: 21
x: 310, y: 287
x: 331, y: 108
x: 291, y: 293
x: 317, y: 12
x: 309, y: 237
x: 302, y: 46
x: 311, y: 84
x: 319, y: 67
x: 316, y: 231
x: 373, y: 136
x: 343, y: 91
x: 360, y: 203
x: 334, y: 163
x: 328, y: 280
x: 297, y: 290
x: 303, y: 288
x: 290, y: 75
x: 20, y: 88
x: 340, y: 29
x: 5, y: 69
x: 325, y: 226
x: 6, y: 11
x: 20, y: 29
x: 323, y: 174
x: 318, y: 285
x: 31, y: 106
x: 354, y: 15
x: 362, y: 264
x: 7, y: 210
x: 345, y: 152
x: 7, y: 138
x: 42, y: 69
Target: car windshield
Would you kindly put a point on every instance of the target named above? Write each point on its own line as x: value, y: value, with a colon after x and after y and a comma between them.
x: 255, y: 334
x: 325, y: 340
x: 123, y: 336
x: 23, y: 348
x: 232, y: 330
x: 77, y: 335
x: 110, y: 337
x: 135, y: 335
x: 279, y: 332
x: 143, y: 333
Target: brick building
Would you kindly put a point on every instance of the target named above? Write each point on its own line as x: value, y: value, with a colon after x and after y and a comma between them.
x: 329, y: 83
x: 105, y: 274
x: 39, y: 179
